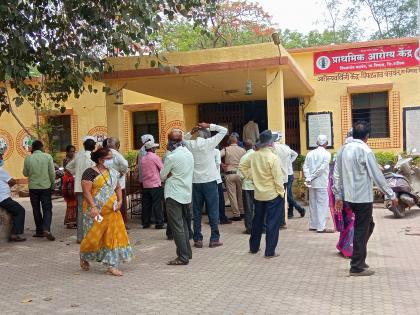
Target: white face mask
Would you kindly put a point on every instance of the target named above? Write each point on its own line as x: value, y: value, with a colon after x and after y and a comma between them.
x: 108, y: 163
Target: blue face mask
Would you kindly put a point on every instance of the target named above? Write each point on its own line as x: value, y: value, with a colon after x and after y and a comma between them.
x: 1, y: 163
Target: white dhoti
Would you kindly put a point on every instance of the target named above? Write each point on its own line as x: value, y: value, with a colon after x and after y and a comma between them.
x: 318, y: 208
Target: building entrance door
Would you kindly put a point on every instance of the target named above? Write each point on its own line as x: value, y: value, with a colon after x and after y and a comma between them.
x: 234, y: 116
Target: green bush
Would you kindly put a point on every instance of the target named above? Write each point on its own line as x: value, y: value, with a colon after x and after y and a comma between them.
x: 131, y: 157
x: 384, y: 158
x: 299, y: 162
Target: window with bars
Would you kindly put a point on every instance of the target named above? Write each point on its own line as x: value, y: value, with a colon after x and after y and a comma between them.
x: 145, y: 122
x: 61, y: 136
x: 373, y: 108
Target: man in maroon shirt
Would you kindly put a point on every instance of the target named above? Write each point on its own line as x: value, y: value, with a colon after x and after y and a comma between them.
x: 151, y: 165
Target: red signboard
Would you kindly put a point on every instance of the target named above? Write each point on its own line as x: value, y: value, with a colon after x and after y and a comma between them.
x: 365, y: 59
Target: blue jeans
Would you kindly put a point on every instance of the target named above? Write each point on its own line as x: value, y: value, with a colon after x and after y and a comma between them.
x: 208, y: 194
x: 290, y: 199
x: 273, y: 210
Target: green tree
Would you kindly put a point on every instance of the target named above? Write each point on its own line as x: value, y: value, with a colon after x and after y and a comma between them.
x: 393, y: 18
x: 234, y: 23
x: 66, y: 42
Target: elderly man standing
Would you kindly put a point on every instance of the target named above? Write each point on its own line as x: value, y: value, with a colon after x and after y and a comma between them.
x: 120, y: 164
x: 39, y: 168
x: 178, y: 175
x: 355, y: 171
x: 232, y: 155
x: 263, y: 168
x: 247, y: 188
x: 205, y: 176
x: 283, y: 152
x: 316, y: 169
x: 77, y: 167
x: 151, y: 165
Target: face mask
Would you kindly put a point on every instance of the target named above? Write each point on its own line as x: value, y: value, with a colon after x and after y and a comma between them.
x: 108, y: 163
x: 1, y: 163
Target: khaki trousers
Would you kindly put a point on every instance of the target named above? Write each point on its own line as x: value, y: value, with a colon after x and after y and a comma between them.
x: 234, y: 191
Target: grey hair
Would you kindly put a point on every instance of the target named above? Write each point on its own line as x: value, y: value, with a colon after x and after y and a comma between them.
x: 350, y: 132
x: 112, y: 142
x: 204, y: 133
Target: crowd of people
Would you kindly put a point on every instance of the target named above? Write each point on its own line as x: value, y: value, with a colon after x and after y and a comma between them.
x: 190, y: 180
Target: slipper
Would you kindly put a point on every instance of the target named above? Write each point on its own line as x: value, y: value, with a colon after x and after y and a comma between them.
x: 177, y: 262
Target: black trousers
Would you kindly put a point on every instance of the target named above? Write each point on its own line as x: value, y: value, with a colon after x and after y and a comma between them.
x: 222, y: 214
x: 178, y: 215
x: 249, y: 201
x: 152, y: 203
x: 18, y: 214
x: 363, y: 229
x: 41, y: 198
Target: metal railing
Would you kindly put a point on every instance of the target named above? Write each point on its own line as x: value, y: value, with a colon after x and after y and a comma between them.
x: 133, y: 189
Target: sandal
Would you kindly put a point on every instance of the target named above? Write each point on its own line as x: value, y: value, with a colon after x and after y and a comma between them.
x: 71, y: 226
x: 84, y: 265
x: 177, y: 262
x: 114, y: 272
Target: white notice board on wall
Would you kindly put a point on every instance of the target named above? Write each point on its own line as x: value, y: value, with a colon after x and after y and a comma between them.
x: 411, y: 119
x: 319, y: 124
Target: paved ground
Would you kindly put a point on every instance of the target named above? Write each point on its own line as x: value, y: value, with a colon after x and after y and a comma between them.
x: 39, y: 277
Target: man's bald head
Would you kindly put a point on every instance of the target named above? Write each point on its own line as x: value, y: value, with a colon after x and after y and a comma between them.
x: 175, y: 135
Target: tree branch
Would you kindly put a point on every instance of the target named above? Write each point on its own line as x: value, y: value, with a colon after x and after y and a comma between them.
x: 11, y: 111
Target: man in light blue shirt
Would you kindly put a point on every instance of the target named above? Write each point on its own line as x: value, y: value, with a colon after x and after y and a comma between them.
x: 177, y: 173
x: 355, y: 170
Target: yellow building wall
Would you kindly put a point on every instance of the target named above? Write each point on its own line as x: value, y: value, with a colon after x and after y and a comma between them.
x: 190, y: 116
x: 329, y: 97
x: 88, y: 116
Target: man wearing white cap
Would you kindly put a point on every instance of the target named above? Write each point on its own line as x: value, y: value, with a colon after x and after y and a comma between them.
x: 152, y: 196
x: 316, y: 169
x: 142, y: 152
x: 77, y: 167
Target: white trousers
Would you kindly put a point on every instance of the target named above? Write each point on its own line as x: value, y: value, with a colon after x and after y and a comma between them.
x: 318, y: 208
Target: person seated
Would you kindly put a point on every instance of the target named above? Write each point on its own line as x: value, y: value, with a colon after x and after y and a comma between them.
x: 11, y: 206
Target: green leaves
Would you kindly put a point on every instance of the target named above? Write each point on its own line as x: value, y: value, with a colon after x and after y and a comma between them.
x: 51, y: 50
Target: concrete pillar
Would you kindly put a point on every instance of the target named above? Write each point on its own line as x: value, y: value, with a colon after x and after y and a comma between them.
x: 114, y: 114
x: 275, y: 108
x: 275, y: 100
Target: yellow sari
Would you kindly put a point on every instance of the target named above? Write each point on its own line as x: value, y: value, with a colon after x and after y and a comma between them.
x: 106, y: 242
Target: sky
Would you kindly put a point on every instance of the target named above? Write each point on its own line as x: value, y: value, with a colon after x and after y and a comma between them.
x: 300, y: 15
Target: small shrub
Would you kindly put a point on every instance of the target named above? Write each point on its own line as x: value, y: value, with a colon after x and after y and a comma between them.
x: 384, y: 158
x: 299, y: 162
x: 131, y: 157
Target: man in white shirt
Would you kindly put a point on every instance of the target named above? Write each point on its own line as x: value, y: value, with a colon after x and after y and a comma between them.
x: 11, y: 206
x: 283, y: 152
x: 120, y: 164
x: 77, y: 167
x: 177, y: 173
x: 292, y: 155
x: 205, y: 179
x: 316, y: 170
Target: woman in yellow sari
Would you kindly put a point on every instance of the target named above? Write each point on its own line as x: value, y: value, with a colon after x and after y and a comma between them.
x: 105, y: 237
